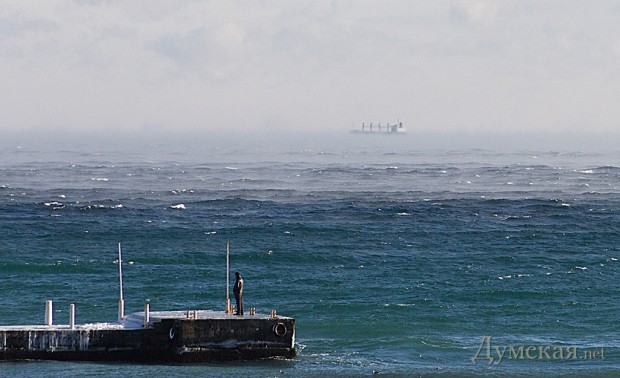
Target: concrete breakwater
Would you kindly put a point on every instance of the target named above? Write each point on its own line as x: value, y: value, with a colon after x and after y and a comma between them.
x: 163, y: 336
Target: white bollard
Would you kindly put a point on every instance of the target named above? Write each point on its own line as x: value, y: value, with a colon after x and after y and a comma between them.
x: 147, y: 315
x: 72, y: 316
x: 48, y: 313
x: 121, y: 309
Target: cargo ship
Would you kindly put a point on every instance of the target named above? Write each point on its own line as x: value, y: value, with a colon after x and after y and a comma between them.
x: 396, y: 128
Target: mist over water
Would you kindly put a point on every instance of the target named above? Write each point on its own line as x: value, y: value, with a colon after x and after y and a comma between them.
x: 395, y: 255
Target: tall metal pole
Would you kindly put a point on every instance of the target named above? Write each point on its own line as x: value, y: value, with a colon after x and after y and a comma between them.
x: 227, y: 277
x: 121, y: 302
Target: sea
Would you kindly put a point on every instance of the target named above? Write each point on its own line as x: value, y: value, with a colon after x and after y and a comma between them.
x: 395, y: 258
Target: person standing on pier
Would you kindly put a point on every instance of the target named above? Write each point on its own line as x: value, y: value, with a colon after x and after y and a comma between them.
x: 238, y: 291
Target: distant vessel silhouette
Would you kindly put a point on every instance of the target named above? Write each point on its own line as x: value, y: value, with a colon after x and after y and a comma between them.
x: 396, y: 128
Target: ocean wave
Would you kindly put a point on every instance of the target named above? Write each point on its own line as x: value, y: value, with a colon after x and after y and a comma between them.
x: 182, y: 191
x: 53, y: 204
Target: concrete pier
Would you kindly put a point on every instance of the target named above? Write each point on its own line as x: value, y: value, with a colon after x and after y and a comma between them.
x: 156, y: 336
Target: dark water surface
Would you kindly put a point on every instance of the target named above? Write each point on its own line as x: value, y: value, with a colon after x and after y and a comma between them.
x: 394, y: 262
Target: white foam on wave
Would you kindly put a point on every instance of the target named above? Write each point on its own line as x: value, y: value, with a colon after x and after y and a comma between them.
x: 519, y: 275
x: 399, y: 304
x: 102, y: 326
x: 89, y: 207
x: 99, y: 179
x: 178, y: 207
x: 179, y: 191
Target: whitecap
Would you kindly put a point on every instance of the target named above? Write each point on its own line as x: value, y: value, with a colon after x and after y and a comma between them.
x: 89, y: 207
x: 399, y: 304
x: 54, y: 204
x: 178, y: 207
x: 402, y: 214
x: 581, y: 267
x: 99, y: 179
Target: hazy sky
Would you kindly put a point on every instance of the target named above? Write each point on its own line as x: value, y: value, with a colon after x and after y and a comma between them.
x: 519, y: 66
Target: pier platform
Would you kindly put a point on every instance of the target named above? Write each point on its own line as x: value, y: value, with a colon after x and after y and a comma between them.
x: 158, y: 336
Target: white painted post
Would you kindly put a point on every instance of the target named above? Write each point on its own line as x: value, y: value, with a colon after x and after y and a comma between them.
x: 147, y: 315
x: 48, y: 313
x: 121, y: 309
x: 227, y: 277
x: 121, y: 301
x: 72, y: 316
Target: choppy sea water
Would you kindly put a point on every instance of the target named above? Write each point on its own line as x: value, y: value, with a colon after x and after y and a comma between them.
x: 394, y: 261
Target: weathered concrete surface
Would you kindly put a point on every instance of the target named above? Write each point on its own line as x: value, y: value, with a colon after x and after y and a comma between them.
x: 196, y: 336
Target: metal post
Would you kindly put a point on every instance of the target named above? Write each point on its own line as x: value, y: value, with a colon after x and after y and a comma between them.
x: 48, y: 313
x: 227, y: 277
x: 147, y: 315
x: 72, y: 316
x: 121, y: 302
